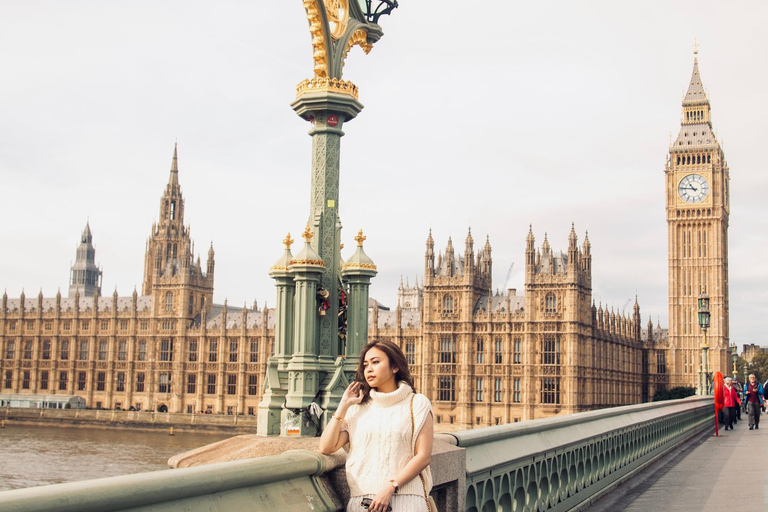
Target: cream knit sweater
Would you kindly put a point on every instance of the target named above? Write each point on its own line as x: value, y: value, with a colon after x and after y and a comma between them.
x: 380, y: 442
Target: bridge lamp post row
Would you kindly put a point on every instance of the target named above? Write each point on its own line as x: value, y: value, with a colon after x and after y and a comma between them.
x: 704, y: 379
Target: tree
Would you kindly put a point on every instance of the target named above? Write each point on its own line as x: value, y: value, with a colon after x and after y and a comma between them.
x: 759, y: 366
x: 673, y: 394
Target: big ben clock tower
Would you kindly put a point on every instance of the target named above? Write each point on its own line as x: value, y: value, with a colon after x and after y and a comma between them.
x: 698, y: 207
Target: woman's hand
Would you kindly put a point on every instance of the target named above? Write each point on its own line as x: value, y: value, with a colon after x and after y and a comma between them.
x: 353, y: 395
x: 381, y: 500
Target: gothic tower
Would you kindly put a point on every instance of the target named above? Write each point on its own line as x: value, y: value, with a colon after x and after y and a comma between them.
x: 454, y: 287
x: 698, y: 207
x: 85, y: 276
x: 176, y: 281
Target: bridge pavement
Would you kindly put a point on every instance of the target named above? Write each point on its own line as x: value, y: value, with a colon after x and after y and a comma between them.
x: 706, y: 474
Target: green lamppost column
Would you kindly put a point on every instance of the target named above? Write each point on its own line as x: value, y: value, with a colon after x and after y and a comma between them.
x: 314, y: 374
x: 271, y: 404
x: 357, y: 272
x: 704, y: 380
x: 304, y: 367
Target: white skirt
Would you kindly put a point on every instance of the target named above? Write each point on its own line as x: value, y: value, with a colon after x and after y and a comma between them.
x: 399, y: 503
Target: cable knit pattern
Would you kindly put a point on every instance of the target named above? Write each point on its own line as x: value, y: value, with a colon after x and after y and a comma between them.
x: 380, y: 442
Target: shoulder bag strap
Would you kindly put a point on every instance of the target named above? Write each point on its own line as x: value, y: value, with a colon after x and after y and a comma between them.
x: 413, y: 445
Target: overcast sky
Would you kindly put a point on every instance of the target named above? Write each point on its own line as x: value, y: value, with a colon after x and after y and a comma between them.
x: 492, y: 115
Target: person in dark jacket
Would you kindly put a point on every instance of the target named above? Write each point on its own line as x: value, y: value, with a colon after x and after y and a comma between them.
x: 754, y: 393
x: 731, y: 401
x: 739, y: 391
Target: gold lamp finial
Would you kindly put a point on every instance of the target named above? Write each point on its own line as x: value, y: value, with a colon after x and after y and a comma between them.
x: 695, y: 46
x: 360, y: 238
x: 307, y: 234
x: 288, y: 241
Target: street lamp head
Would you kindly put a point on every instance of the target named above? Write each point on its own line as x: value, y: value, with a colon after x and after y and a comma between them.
x: 703, y: 301
x: 374, y: 9
x: 704, y: 311
x: 704, y: 319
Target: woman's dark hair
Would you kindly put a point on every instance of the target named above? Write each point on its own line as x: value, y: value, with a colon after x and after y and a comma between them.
x: 396, y: 360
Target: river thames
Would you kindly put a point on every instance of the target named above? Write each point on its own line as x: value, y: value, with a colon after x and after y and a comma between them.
x: 31, y: 455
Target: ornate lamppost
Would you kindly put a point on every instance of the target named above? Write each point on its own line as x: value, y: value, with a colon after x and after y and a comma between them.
x: 734, y: 357
x: 704, y: 324
x: 315, y: 357
x: 746, y: 375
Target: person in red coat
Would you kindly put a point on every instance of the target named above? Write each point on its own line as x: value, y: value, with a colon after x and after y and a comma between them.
x: 731, y: 401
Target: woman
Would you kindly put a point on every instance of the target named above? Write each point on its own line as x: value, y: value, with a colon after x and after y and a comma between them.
x: 731, y: 401
x: 389, y: 430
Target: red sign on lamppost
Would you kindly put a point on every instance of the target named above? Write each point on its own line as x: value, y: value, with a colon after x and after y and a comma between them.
x: 719, y: 399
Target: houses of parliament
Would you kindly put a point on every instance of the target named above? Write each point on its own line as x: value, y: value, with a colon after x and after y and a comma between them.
x: 483, y: 358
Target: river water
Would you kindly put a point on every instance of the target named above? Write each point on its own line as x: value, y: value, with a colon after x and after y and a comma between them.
x: 31, y: 456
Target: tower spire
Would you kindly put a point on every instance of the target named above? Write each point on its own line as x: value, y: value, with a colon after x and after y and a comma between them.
x: 85, y: 275
x: 174, y: 179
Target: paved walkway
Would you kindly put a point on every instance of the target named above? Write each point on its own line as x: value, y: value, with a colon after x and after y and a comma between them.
x: 708, y: 474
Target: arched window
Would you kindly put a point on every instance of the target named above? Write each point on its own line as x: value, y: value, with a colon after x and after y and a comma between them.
x: 550, y: 303
x: 169, y: 301
x: 447, y: 304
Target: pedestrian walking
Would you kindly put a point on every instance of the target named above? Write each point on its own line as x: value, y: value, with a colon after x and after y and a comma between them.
x: 754, y: 393
x: 731, y: 401
x: 739, y: 391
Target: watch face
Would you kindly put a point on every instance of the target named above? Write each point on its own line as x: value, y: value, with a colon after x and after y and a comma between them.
x: 693, y: 188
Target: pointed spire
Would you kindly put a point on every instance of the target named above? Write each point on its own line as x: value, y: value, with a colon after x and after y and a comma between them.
x: 572, y: 239
x: 174, y: 179
x: 695, y: 94
x: 545, y: 246
x: 87, y: 236
x: 430, y: 240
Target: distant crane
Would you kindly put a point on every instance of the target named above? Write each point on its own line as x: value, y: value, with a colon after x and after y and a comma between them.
x: 509, y: 275
x: 624, y: 308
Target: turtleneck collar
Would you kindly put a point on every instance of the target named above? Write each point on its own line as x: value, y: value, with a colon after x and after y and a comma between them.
x: 402, y: 392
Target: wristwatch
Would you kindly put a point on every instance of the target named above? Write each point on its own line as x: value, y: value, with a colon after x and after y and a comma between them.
x: 395, y: 485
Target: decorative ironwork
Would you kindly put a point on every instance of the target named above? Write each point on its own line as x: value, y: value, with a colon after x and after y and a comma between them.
x: 381, y: 8
x: 562, y: 477
x: 324, y: 84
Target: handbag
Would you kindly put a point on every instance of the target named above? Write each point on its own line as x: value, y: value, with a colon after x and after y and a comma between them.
x: 431, y: 505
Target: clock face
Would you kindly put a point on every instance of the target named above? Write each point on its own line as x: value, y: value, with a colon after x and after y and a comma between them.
x: 693, y: 188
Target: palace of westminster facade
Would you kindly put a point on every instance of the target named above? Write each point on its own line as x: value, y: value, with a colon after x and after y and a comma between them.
x: 483, y: 358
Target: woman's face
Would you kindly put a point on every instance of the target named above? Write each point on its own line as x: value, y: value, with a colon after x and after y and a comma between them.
x: 377, y: 371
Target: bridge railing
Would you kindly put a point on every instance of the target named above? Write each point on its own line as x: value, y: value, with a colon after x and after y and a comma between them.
x: 293, y: 481
x: 554, y: 464
x: 568, y: 462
